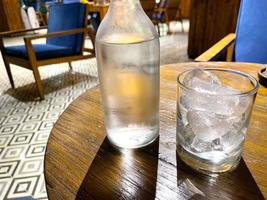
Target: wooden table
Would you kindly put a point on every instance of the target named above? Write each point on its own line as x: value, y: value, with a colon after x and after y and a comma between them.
x: 102, y: 9
x: 81, y: 164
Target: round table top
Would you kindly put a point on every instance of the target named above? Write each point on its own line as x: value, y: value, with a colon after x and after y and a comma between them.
x: 81, y: 164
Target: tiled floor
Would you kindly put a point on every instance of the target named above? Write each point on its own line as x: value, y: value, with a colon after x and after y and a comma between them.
x: 25, y: 122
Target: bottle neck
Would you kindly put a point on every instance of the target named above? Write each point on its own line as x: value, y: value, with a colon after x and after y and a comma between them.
x: 125, y: 4
x: 125, y: 1
x: 126, y: 20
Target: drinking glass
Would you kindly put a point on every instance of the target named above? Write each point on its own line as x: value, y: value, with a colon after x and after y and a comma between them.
x: 213, y: 110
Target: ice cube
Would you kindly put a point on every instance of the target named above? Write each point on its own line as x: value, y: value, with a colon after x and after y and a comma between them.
x: 207, y: 126
x: 217, y: 144
x: 200, y: 74
x: 233, y: 139
x: 188, y: 134
x: 230, y: 103
x: 184, y: 133
x: 219, y: 104
x: 204, y: 86
x: 200, y: 146
x: 191, y: 100
x: 243, y: 106
x: 209, y: 94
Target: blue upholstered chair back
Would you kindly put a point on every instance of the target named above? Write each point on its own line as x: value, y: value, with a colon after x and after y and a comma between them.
x: 251, y: 33
x: 71, y: 1
x: 66, y: 17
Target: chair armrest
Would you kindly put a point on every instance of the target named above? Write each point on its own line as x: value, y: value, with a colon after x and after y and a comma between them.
x: 58, y: 34
x: 216, y: 49
x: 28, y: 39
x: 10, y: 33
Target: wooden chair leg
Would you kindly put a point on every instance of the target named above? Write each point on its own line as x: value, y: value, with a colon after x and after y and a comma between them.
x: 8, y: 70
x: 179, y: 17
x: 166, y: 20
x: 182, y: 25
x: 229, y: 54
x: 158, y: 29
x: 157, y: 26
x: 168, y: 27
x: 71, y: 68
x: 38, y: 81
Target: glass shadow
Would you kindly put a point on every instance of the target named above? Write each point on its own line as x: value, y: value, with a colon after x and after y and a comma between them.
x: 121, y: 174
x: 236, y: 184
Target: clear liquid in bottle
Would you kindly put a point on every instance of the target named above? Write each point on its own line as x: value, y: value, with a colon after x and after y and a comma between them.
x: 128, y: 69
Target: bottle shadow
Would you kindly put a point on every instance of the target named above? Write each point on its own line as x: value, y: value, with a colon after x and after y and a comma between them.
x: 121, y: 174
x: 235, y: 184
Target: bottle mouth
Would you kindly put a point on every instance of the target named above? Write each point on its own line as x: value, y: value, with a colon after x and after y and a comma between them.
x: 250, y: 79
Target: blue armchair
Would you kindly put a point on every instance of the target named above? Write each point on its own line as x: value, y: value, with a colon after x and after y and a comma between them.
x: 249, y: 43
x: 66, y: 32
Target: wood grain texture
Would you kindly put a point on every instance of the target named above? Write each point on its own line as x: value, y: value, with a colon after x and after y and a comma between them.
x: 81, y: 164
x: 185, y: 6
x: 148, y: 6
x: 19, y: 32
x: 3, y: 21
x: 173, y: 6
x: 210, y: 21
x: 11, y: 15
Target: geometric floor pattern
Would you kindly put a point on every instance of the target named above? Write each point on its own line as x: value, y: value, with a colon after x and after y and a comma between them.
x: 26, y: 122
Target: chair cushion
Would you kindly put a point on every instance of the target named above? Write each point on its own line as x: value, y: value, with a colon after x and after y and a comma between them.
x: 43, y: 51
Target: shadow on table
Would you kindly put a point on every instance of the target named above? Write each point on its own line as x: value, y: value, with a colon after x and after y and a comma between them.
x: 121, y: 174
x: 237, y: 184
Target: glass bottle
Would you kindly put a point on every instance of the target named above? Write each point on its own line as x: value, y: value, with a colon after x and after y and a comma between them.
x: 127, y: 51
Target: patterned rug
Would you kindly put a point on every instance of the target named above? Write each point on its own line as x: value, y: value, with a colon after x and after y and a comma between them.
x: 26, y: 122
